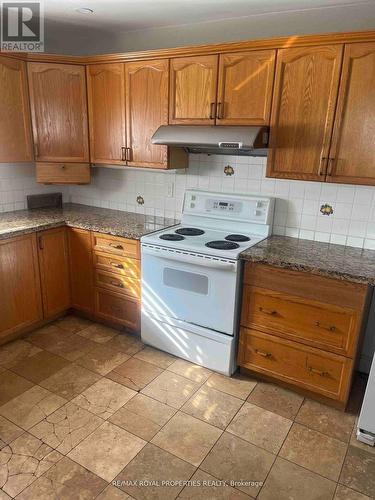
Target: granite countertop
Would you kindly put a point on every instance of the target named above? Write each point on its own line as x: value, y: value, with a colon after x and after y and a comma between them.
x: 325, y: 259
x: 102, y: 220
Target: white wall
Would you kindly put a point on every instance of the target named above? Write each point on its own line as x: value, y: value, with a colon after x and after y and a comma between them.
x: 17, y: 181
x: 297, y: 207
x: 64, y: 39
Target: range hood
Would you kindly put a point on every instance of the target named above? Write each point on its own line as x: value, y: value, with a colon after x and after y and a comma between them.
x: 219, y: 140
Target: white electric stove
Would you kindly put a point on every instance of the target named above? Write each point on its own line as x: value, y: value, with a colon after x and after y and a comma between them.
x: 191, y: 276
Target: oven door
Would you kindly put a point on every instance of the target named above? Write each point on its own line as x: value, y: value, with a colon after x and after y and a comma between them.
x: 189, y: 287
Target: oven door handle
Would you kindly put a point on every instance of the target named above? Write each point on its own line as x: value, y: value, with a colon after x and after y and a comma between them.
x: 191, y: 259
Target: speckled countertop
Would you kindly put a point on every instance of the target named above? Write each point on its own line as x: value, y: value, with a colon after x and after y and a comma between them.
x: 334, y: 261
x: 102, y: 220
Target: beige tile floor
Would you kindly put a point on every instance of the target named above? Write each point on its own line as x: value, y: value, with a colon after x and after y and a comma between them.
x: 89, y: 412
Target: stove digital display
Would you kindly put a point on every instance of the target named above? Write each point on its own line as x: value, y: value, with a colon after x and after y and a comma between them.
x: 222, y: 204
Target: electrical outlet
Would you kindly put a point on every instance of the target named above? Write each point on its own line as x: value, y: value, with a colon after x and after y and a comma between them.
x: 170, y: 190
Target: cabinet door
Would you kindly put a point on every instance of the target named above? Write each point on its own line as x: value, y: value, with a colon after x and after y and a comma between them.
x: 20, y: 304
x: 81, y: 269
x: 106, y: 100
x: 352, y: 155
x: 146, y: 110
x: 59, y: 112
x: 304, y: 101
x: 245, y: 88
x: 193, y: 82
x: 15, y: 125
x: 54, y: 271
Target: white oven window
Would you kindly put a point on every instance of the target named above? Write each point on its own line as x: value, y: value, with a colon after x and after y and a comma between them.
x: 185, y: 280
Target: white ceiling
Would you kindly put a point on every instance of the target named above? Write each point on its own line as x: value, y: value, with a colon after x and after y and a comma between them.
x: 133, y: 15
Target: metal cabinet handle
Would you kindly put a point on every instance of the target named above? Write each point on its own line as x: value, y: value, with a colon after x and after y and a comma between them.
x: 263, y: 353
x: 212, y: 111
x: 36, y: 150
x: 40, y: 243
x: 115, y: 245
x: 330, y: 328
x: 117, y: 266
x: 220, y: 111
x: 270, y: 312
x: 117, y: 283
x: 321, y: 373
x: 123, y: 153
x: 128, y: 154
x: 63, y: 166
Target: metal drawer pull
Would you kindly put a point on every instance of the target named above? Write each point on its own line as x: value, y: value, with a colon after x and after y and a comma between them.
x: 268, y: 311
x: 115, y: 245
x: 123, y: 153
x: 263, y: 353
x: 117, y: 266
x: 317, y: 372
x: 117, y: 283
x: 330, y: 328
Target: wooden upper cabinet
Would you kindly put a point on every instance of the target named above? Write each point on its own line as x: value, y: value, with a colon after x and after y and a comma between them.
x: 21, y: 303
x: 245, y: 88
x: 106, y: 101
x: 304, y: 100
x: 352, y: 155
x: 59, y: 112
x: 15, y: 124
x: 54, y: 271
x: 146, y: 110
x: 193, y: 82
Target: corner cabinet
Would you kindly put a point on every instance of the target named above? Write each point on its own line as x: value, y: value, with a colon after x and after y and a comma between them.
x: 352, y: 153
x: 54, y: 271
x: 21, y: 302
x: 59, y: 112
x: 15, y: 123
x: 303, y: 109
x: 106, y: 103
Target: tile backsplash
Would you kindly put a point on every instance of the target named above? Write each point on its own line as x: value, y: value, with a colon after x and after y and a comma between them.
x: 17, y: 181
x: 298, y: 203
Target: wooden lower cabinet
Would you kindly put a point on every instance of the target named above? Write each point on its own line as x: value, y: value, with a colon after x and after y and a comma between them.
x: 313, y: 369
x: 21, y: 302
x: 54, y: 271
x: 117, y: 279
x: 81, y: 269
x: 301, y: 329
x: 117, y: 308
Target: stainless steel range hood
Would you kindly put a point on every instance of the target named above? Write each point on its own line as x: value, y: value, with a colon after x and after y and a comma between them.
x: 241, y: 141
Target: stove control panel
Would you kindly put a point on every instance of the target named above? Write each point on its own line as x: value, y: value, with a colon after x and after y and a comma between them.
x: 236, y: 207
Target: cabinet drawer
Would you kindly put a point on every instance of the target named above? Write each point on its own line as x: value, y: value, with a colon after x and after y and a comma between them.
x: 314, y: 370
x: 117, y: 308
x: 116, y: 246
x: 63, y: 173
x: 124, y: 266
x: 119, y: 284
x: 322, y: 325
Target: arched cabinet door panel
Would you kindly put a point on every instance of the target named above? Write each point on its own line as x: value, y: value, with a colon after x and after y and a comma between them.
x: 193, y: 83
x: 352, y: 155
x: 245, y: 88
x: 15, y: 123
x: 146, y: 111
x: 106, y: 100
x: 303, y: 109
x: 59, y: 112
